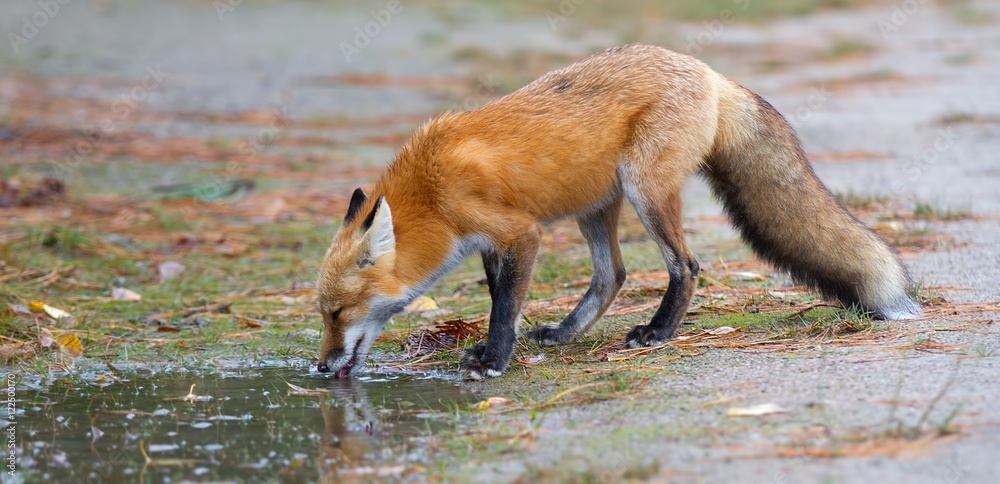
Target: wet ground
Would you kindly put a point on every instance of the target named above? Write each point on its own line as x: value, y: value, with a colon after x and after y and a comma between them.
x: 231, y: 425
x: 151, y: 112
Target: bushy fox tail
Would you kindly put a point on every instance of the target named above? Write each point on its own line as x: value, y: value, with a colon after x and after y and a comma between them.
x: 785, y: 213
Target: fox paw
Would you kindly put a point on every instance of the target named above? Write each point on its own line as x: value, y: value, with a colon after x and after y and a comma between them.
x: 644, y: 335
x: 549, y: 335
x: 478, y: 367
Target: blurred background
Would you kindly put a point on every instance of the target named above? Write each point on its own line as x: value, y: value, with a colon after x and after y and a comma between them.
x: 172, y: 171
x: 308, y: 99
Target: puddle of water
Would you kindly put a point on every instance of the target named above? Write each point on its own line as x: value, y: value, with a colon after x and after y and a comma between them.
x: 238, y: 427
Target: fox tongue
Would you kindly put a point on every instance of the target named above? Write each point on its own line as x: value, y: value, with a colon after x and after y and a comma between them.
x: 343, y: 372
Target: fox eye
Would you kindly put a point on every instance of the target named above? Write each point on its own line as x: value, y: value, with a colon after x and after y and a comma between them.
x: 336, y: 314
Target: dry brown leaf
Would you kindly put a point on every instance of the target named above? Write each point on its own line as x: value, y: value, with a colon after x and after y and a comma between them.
x: 14, y: 351
x: 297, y: 391
x: 45, y: 338
x: 250, y: 322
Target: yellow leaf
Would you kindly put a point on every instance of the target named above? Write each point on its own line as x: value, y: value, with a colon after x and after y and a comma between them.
x: 54, y: 313
x: 421, y: 304
x: 71, y: 345
x: 493, y: 402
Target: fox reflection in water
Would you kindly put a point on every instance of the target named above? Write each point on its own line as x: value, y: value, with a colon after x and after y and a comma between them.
x: 372, y: 427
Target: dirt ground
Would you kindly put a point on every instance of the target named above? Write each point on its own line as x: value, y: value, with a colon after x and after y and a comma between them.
x: 150, y: 114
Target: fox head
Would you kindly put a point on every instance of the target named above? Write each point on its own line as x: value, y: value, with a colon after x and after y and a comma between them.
x: 357, y: 289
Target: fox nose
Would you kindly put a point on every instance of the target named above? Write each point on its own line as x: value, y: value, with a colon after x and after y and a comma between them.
x: 322, y: 368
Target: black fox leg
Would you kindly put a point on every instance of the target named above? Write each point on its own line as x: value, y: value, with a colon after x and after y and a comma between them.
x: 508, y: 275
x: 601, y: 231
x: 664, y: 225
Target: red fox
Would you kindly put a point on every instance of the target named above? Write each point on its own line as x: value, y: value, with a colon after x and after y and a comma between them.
x: 632, y: 122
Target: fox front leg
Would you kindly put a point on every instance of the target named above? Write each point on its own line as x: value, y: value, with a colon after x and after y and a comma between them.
x: 508, y: 274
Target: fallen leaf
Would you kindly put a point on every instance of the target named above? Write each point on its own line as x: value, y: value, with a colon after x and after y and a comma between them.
x: 20, y: 308
x: 747, y: 276
x: 722, y: 330
x: 421, y: 304
x: 892, y: 226
x: 167, y: 329
x: 295, y: 300
x: 250, y: 322
x: 45, y: 338
x: 122, y: 294
x: 536, y: 359
x: 70, y: 345
x: 493, y: 402
x: 297, y: 391
x: 170, y: 270
x: 15, y: 351
x: 755, y: 410
x: 54, y: 313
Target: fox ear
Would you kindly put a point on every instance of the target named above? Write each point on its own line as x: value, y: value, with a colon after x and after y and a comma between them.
x: 358, y: 199
x: 379, y: 239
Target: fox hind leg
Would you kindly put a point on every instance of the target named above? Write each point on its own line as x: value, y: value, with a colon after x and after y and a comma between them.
x: 662, y: 219
x: 600, y: 228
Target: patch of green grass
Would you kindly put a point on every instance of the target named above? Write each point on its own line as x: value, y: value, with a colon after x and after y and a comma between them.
x: 968, y: 14
x: 116, y: 331
x: 925, y: 293
x: 769, y: 66
x: 961, y: 118
x: 935, y: 211
x: 962, y: 58
x: 983, y: 351
x: 846, y: 47
x: 859, y: 201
